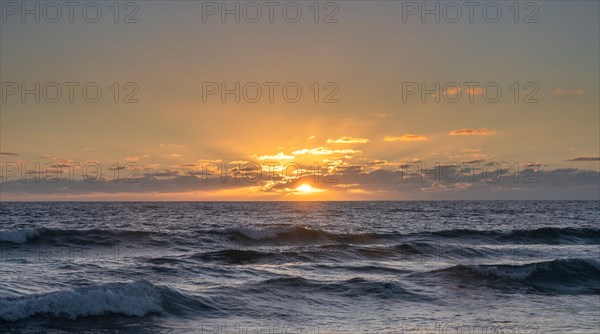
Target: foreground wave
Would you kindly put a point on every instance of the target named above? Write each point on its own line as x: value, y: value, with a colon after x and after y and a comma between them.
x: 562, y: 276
x: 136, y: 298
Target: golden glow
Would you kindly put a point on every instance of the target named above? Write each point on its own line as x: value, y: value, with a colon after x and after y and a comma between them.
x: 307, y: 189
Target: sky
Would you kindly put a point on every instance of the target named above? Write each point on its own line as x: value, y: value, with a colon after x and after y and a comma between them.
x: 345, y: 100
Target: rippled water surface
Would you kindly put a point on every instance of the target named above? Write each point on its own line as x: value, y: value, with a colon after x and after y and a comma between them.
x: 301, y: 267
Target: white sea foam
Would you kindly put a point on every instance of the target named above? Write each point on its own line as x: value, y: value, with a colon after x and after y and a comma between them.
x: 18, y: 236
x: 510, y: 272
x: 134, y: 299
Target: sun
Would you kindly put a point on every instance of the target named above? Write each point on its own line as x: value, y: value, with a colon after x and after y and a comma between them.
x: 307, y: 189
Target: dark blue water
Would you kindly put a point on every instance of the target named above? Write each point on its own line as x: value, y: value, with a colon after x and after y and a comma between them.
x: 300, y: 267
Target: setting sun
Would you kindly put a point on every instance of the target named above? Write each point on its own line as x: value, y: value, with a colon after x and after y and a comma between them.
x: 307, y: 189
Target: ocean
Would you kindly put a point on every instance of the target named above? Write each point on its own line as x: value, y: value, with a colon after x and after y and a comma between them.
x: 300, y: 267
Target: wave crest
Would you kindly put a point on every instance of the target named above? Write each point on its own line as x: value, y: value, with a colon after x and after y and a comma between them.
x: 77, y: 236
x: 19, y: 236
x: 134, y: 299
x: 563, y: 276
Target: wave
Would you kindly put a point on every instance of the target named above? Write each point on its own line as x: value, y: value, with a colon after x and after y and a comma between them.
x: 301, y: 234
x: 289, y: 233
x: 283, y: 235
x: 77, y: 236
x: 137, y: 298
x: 326, y: 252
x: 134, y: 299
x: 546, y: 235
x: 248, y: 256
x: 568, y: 276
x: 356, y: 287
x: 19, y: 236
x: 369, y: 269
x: 413, y: 251
x: 233, y: 256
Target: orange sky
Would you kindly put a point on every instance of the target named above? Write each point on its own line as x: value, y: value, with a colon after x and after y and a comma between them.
x: 382, y: 102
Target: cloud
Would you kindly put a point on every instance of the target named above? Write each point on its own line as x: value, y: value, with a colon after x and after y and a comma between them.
x: 471, y: 150
x: 475, y: 161
x: 278, y: 156
x: 453, y: 90
x: 475, y: 90
x: 565, y: 92
x: 9, y: 153
x: 470, y: 90
x: 473, y: 132
x: 164, y: 173
x: 348, y: 140
x: 353, y: 169
x: 357, y: 191
x: 49, y: 157
x: 324, y: 151
x: 61, y: 158
x: 382, y: 184
x: 439, y: 186
x: 585, y: 158
x: 151, y: 166
x: 531, y: 184
x: 406, y: 137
